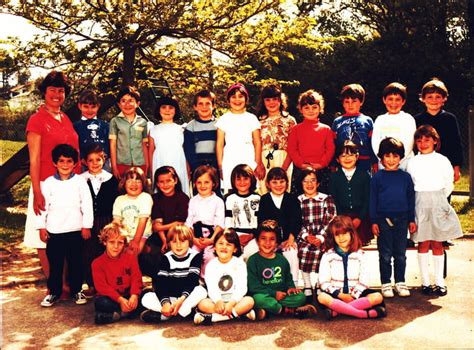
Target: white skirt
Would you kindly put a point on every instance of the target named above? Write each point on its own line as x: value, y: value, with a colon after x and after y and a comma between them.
x: 32, y: 237
x: 436, y: 220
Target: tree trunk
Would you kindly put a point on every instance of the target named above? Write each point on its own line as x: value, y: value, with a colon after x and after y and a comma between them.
x: 128, y: 66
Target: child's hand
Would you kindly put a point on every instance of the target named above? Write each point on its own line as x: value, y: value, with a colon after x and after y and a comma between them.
x: 280, y: 295
x: 412, y: 227
x: 86, y: 233
x: 220, y: 307
x: 347, y: 298
x: 133, y: 302
x: 356, y: 222
x: 316, y: 166
x: 116, y: 173
x: 245, y: 239
x: 205, y: 242
x: 293, y: 291
x: 313, y: 240
x: 39, y: 203
x: 44, y: 235
x: 288, y: 244
x: 167, y: 309
x: 375, y: 230
x: 124, y: 304
x: 133, y: 247
x: 228, y: 308
x: 260, y: 171
x: 177, y: 305
x: 164, y: 247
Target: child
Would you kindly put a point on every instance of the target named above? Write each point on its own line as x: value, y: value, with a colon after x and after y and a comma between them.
x: 395, y: 123
x: 128, y: 135
x: 434, y: 95
x: 206, y: 212
x: 65, y: 223
x: 432, y: 174
x: 241, y: 208
x: 176, y: 285
x: 103, y: 187
x: 269, y: 279
x: 355, y: 126
x: 92, y: 131
x: 285, y: 209
x: 317, y: 210
x: 133, y: 208
x: 166, y: 140
x: 392, y: 212
x: 350, y: 188
x: 117, y: 277
x: 238, y: 137
x: 226, y: 282
x: 276, y: 124
x: 170, y: 204
x: 343, y: 275
x: 200, y: 133
x: 311, y: 143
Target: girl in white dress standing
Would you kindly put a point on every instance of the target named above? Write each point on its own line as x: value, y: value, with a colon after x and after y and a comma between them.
x: 166, y: 140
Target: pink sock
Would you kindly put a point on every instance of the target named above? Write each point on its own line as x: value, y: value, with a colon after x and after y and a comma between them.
x: 361, y: 303
x: 347, y: 309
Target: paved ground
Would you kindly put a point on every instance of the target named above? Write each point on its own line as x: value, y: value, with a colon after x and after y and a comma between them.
x: 416, y: 322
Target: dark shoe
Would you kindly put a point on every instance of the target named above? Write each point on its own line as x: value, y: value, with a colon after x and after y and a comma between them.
x: 327, y: 313
x: 440, y: 291
x: 305, y: 311
x: 150, y: 316
x: 204, y: 319
x: 410, y: 243
x: 380, y: 310
x: 448, y: 244
x: 427, y: 290
x: 89, y: 293
x: 106, y: 317
x: 261, y: 314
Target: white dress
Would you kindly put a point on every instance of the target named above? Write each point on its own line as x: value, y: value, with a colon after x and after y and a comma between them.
x: 169, y: 150
x: 239, y: 148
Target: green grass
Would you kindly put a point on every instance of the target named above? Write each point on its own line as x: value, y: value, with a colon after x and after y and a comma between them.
x: 9, y: 148
x: 463, y: 183
x: 12, y: 225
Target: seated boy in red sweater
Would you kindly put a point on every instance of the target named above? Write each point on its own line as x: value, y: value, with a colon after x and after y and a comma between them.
x: 117, y: 278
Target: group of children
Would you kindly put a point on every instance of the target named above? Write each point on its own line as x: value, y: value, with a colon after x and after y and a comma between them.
x: 221, y: 258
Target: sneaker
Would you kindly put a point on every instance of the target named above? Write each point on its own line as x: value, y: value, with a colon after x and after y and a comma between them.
x: 440, y: 291
x: 327, y: 313
x: 387, y: 290
x: 89, y: 293
x: 402, y: 289
x: 427, y: 290
x: 150, y: 316
x: 305, y: 311
x: 49, y: 300
x: 204, y: 319
x: 261, y: 314
x: 79, y: 298
x: 106, y: 317
x: 251, y: 315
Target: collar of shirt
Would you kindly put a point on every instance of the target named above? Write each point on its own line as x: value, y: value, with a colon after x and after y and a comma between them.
x: 348, y: 173
x: 84, y: 118
x: 57, y: 177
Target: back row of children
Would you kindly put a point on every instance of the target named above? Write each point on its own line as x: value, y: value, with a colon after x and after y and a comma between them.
x: 275, y: 204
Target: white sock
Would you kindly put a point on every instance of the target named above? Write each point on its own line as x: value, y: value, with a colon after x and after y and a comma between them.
x: 423, y: 263
x: 219, y: 318
x: 307, y: 283
x: 438, y: 262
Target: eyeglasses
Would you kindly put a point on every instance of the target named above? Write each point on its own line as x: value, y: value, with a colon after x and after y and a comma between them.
x: 310, y: 181
x: 133, y: 181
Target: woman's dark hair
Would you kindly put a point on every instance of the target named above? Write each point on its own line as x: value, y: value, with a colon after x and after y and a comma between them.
x: 166, y: 169
x: 57, y: 79
x: 232, y: 237
x: 270, y: 91
x: 167, y: 101
x: 243, y: 170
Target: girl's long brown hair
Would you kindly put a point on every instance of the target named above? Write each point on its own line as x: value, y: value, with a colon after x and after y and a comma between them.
x: 341, y: 224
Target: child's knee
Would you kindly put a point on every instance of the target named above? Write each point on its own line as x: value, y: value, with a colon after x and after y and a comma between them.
x: 324, y: 299
x: 375, y: 298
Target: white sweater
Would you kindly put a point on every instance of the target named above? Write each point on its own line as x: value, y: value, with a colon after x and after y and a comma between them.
x: 68, y: 205
x: 226, y: 281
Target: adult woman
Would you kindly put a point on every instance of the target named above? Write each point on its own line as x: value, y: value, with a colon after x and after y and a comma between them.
x: 276, y: 124
x: 45, y: 129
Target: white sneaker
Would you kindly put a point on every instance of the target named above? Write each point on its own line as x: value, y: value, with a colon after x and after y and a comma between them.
x: 251, y: 315
x: 387, y: 290
x: 79, y: 298
x: 49, y: 300
x: 402, y: 289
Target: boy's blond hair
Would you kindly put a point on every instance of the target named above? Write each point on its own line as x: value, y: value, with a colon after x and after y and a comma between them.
x: 111, y: 230
x: 434, y: 86
x: 181, y: 232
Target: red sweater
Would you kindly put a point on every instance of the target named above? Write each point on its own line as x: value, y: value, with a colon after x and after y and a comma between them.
x: 117, y: 277
x: 311, y: 142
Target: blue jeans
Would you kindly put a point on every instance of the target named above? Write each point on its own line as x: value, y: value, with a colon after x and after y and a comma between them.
x: 392, y: 242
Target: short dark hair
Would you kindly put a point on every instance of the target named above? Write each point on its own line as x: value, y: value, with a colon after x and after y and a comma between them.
x: 128, y: 90
x: 89, y: 97
x: 243, y: 170
x: 354, y: 91
x: 269, y: 226
x: 57, y: 79
x: 277, y: 173
x: 94, y: 148
x: 428, y: 131
x: 230, y: 236
x: 311, y: 97
x: 206, y: 169
x: 395, y: 89
x: 391, y: 145
x: 167, y: 101
x: 204, y: 94
x: 167, y: 169
x: 269, y: 91
x: 66, y: 151
x: 346, y: 147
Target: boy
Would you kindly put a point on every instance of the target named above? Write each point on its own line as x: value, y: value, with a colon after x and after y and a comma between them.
x: 201, y: 133
x: 269, y: 278
x: 355, y: 126
x: 128, y: 135
x: 91, y: 130
x: 176, y: 285
x: 65, y: 222
x: 395, y: 123
x: 392, y: 211
x: 117, y: 277
x: 434, y: 95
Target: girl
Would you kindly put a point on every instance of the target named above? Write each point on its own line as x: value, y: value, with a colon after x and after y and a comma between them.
x: 104, y: 190
x: 283, y: 207
x: 226, y: 281
x: 276, y: 124
x: 343, y: 275
x: 168, y: 136
x: 241, y: 208
x: 176, y: 285
x: 436, y: 220
x: 133, y: 209
x: 317, y: 211
x: 239, y: 131
x: 311, y: 143
x: 205, y: 212
x: 350, y: 188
